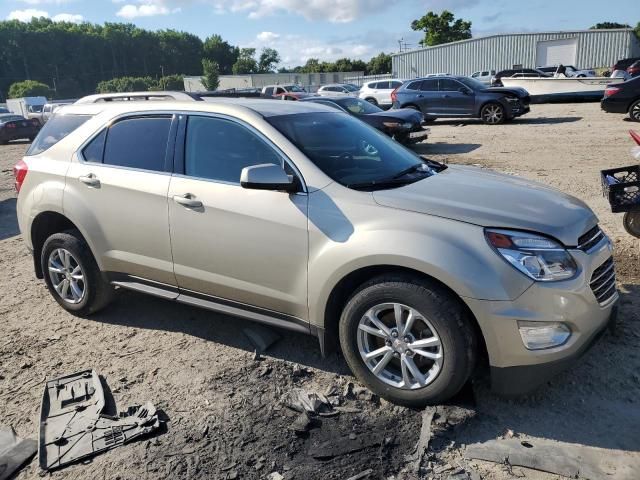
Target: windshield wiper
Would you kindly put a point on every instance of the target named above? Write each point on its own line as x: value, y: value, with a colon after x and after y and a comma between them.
x: 413, y: 168
x: 384, y: 183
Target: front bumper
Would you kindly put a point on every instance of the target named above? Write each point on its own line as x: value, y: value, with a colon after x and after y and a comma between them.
x: 516, y: 370
x: 409, y: 138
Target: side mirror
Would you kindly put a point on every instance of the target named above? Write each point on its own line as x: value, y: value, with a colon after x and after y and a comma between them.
x: 267, y: 177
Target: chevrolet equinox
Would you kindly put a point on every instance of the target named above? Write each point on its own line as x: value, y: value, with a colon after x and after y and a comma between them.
x: 302, y: 217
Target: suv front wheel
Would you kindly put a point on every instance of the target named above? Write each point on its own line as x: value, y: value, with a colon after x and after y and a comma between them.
x: 408, y: 340
x: 72, y: 274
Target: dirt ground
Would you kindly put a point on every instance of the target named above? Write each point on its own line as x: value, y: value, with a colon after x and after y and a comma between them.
x: 223, y: 410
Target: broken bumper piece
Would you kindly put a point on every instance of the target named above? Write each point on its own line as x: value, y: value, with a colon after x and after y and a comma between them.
x: 73, y: 425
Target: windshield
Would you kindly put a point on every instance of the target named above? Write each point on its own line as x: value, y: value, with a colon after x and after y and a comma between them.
x: 351, y: 152
x: 35, y: 108
x: 358, y: 107
x: 294, y: 88
x: 472, y: 83
x: 351, y: 88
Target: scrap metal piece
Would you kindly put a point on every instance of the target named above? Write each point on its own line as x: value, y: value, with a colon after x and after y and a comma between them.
x: 73, y: 425
x: 14, y: 451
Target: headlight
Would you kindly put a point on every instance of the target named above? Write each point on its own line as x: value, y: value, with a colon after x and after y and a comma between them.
x: 538, y: 257
x: 407, y: 125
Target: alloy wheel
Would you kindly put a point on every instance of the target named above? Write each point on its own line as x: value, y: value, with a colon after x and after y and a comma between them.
x: 400, y: 346
x: 67, y: 277
x: 635, y: 112
x: 492, y: 114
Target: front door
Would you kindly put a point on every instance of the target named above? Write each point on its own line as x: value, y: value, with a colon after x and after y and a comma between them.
x: 453, y: 101
x: 247, y: 246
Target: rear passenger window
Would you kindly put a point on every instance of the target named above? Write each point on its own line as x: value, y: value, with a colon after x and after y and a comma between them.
x: 58, y: 127
x: 268, y: 91
x: 395, y: 84
x: 414, y: 85
x: 448, y: 85
x: 139, y: 142
x: 218, y: 149
x: 429, y: 85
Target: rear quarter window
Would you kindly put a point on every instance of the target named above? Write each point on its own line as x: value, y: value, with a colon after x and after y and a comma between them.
x: 58, y: 127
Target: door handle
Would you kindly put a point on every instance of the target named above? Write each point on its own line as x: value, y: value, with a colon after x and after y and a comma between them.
x: 90, y: 180
x: 420, y: 96
x: 187, y: 200
x: 446, y: 96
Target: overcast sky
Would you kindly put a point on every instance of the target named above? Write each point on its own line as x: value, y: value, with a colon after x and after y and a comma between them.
x: 328, y: 29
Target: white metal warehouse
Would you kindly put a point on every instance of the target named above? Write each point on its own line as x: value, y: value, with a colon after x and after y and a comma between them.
x: 582, y: 49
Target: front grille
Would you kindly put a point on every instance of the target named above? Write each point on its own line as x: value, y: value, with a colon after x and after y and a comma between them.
x: 603, y: 282
x: 590, y: 239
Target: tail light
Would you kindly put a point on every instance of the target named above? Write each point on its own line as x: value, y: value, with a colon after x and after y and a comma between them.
x: 11, y: 125
x: 611, y: 91
x: 394, y: 95
x: 19, y: 174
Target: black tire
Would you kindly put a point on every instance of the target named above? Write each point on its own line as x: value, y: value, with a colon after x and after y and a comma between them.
x: 632, y: 222
x: 372, y: 101
x: 443, y: 310
x: 634, y: 111
x: 97, y: 290
x: 487, y: 115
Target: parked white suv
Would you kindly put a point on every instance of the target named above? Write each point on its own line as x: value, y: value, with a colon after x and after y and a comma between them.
x: 338, y: 90
x: 303, y: 217
x: 379, y: 92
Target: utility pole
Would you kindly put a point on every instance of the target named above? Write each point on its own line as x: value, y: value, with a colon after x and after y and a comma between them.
x: 162, y: 78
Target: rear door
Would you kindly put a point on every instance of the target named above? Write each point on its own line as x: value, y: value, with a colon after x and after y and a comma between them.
x: 116, y: 189
x: 382, y: 94
x: 428, y: 98
x: 236, y: 245
x: 452, y: 100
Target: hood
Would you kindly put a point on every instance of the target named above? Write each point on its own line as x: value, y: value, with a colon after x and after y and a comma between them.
x: 491, y: 199
x: 517, y: 91
x: 402, y: 114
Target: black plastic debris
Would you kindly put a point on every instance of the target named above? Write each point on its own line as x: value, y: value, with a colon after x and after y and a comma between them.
x: 14, y: 452
x: 73, y: 425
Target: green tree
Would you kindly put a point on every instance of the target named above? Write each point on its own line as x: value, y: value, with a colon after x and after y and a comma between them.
x: 127, y: 84
x: 269, y: 58
x: 637, y: 30
x: 211, y: 70
x: 221, y: 52
x: 172, y: 82
x: 29, y: 88
x: 443, y: 28
x: 608, y: 26
x: 379, y: 64
x: 246, y: 62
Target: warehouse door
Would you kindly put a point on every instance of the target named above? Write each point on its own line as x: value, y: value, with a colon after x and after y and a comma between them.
x: 555, y: 52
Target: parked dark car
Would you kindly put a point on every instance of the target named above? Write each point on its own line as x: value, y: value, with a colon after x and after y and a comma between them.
x: 634, y: 69
x: 453, y: 97
x: 623, y: 98
x: 624, y: 63
x: 15, y: 127
x: 524, y: 72
x: 404, y: 125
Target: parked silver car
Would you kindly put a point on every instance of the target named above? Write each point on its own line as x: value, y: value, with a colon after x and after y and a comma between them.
x: 299, y: 216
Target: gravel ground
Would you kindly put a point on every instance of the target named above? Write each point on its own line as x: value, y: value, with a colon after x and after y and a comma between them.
x: 223, y: 409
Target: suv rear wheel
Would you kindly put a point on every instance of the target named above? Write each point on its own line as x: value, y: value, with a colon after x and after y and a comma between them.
x: 72, y: 274
x: 408, y: 340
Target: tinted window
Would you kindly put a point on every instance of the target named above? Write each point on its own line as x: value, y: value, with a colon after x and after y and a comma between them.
x: 356, y: 153
x: 358, y: 107
x: 383, y: 85
x: 414, y: 85
x: 429, y: 85
x: 268, y: 91
x: 138, y: 143
x: 395, y: 84
x: 58, y: 127
x: 475, y: 74
x: 219, y: 149
x: 94, y: 150
x: 448, y: 85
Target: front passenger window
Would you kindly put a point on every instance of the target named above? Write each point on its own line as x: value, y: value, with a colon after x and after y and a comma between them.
x: 218, y: 149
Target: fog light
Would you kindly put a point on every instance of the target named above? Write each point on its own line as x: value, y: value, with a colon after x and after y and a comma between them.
x: 540, y: 335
